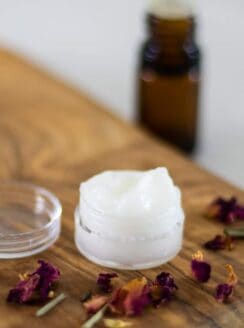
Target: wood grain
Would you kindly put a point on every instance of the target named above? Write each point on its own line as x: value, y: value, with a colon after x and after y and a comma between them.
x: 54, y: 136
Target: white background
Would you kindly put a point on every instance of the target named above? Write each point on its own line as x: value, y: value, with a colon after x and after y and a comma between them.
x: 94, y: 45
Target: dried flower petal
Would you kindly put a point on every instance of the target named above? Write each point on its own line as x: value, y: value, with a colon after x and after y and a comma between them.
x: 95, y: 303
x: 219, y: 242
x: 131, y: 299
x: 225, y: 291
x: 232, y: 277
x: 40, y: 280
x: 24, y: 290
x: 240, y: 212
x: 104, y: 281
x: 227, y: 211
x: 111, y: 323
x: 201, y: 270
x: 165, y: 279
x: 162, y: 289
x: 48, y: 274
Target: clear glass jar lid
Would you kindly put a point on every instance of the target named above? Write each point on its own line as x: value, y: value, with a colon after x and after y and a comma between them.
x: 29, y: 219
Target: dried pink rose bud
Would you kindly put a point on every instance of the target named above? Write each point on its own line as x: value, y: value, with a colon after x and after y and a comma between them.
x: 226, y: 210
x: 201, y: 270
x: 219, y: 242
x: 225, y: 291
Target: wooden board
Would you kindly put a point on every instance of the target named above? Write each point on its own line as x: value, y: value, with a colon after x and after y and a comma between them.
x: 54, y: 136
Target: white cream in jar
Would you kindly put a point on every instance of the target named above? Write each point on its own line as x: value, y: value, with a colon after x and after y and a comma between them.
x: 129, y: 219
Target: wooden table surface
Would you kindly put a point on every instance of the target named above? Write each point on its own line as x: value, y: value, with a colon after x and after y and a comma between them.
x: 54, y: 136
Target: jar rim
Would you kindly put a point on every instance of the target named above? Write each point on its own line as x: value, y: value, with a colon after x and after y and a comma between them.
x: 123, y: 238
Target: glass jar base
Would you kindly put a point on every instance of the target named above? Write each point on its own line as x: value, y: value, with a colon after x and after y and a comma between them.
x: 127, y: 255
x: 120, y: 266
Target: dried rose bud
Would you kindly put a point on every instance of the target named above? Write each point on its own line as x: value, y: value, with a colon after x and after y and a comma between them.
x: 225, y: 291
x: 162, y: 289
x: 104, y: 281
x: 226, y: 211
x: 219, y: 242
x: 201, y: 270
x: 165, y: 279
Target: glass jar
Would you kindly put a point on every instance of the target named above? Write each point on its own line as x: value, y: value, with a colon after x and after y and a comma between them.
x: 169, y: 78
x: 120, y: 244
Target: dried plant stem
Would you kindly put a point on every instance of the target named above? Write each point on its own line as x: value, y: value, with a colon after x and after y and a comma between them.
x: 49, y: 306
x: 95, y: 318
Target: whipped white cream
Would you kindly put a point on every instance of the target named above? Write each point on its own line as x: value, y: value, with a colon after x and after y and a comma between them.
x: 130, y: 203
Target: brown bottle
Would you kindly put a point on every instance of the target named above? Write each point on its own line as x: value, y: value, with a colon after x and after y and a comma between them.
x: 169, y: 80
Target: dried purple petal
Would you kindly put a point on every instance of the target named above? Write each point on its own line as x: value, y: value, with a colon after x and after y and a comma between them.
x: 40, y: 280
x: 48, y: 274
x: 225, y: 291
x: 104, y: 281
x: 240, y: 212
x: 219, y: 242
x: 24, y: 290
x: 165, y: 279
x: 227, y: 211
x: 162, y: 289
x: 201, y: 270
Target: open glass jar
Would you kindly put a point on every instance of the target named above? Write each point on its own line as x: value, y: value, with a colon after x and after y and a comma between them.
x: 106, y: 241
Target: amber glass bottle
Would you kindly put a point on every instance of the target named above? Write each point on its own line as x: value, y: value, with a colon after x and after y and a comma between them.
x: 169, y: 80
